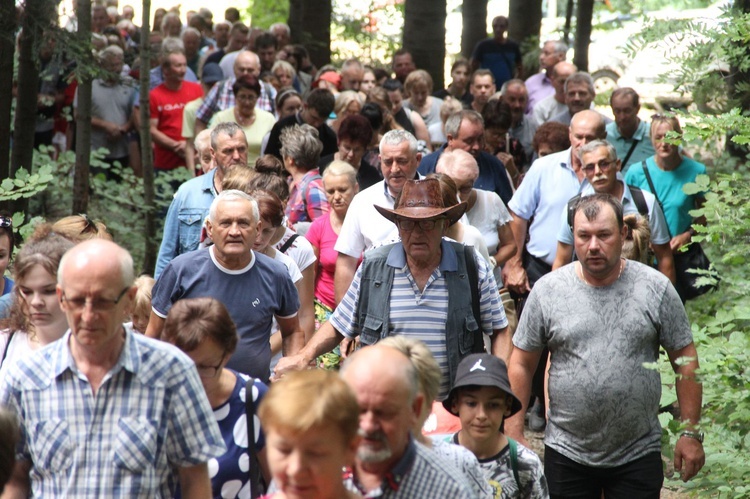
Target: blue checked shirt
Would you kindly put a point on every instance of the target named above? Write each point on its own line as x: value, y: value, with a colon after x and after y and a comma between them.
x: 420, y: 473
x: 149, y: 417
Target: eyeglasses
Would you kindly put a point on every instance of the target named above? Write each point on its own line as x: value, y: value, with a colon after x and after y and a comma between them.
x: 97, y: 304
x: 209, y: 371
x: 6, y: 222
x: 603, y: 165
x: 424, y: 225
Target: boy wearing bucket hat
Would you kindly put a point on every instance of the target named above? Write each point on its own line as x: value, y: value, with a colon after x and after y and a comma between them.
x: 481, y: 397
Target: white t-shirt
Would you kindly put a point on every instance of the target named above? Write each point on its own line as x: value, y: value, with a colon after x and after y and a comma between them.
x: 364, y: 227
x: 301, y: 251
x: 290, y: 265
x: 487, y: 215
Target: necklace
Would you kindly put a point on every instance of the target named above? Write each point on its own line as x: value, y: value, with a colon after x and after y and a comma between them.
x: 243, y: 121
x: 580, y: 269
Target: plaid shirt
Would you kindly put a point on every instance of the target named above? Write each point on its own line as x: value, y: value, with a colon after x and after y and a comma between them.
x: 307, y: 198
x: 419, y: 473
x: 221, y: 97
x: 149, y: 417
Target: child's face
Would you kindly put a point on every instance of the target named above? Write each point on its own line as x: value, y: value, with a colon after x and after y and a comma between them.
x: 482, y: 411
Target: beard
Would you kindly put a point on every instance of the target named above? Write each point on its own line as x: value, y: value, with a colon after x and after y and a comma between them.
x: 367, y: 454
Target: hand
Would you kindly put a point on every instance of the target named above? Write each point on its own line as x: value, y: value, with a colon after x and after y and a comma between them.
x: 288, y: 364
x: 179, y: 149
x: 689, y: 457
x: 679, y: 241
x: 515, y: 278
x: 346, y: 347
x: 113, y: 130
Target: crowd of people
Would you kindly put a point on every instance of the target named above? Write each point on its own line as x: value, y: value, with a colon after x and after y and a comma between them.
x: 365, y: 290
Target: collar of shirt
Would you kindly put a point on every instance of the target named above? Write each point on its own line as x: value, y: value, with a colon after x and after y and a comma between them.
x: 63, y: 357
x: 448, y: 259
x: 641, y: 133
x: 394, y: 476
x: 207, y: 182
x: 417, y: 176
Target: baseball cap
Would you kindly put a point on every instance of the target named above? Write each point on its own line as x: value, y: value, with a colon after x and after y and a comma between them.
x: 212, y: 73
x: 482, y: 369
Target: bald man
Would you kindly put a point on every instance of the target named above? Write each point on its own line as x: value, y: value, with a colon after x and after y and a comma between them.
x: 104, y: 401
x: 388, y: 459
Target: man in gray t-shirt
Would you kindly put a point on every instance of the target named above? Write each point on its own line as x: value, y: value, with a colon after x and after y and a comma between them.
x: 603, y: 318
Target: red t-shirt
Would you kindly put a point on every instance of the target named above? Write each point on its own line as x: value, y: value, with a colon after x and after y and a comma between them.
x: 166, y: 106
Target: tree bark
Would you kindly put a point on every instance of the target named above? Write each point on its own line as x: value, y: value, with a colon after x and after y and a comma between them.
x: 7, y: 50
x: 474, y: 16
x: 568, y: 19
x: 524, y: 20
x: 83, y: 118
x: 35, y: 14
x: 149, y: 258
x: 583, y: 34
x: 737, y: 79
x: 310, y: 21
x: 424, y: 36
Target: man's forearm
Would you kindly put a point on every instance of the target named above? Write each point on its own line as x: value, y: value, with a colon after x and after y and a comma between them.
x: 689, y: 391
x: 520, y: 372
x: 665, y: 261
x: 519, y: 226
x: 502, y: 344
x: 292, y: 340
x: 322, y: 342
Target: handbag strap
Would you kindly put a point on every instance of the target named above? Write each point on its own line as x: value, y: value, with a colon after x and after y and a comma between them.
x: 473, y: 274
x: 653, y: 191
x: 514, y: 460
x: 288, y: 243
x: 252, y: 452
x: 630, y: 152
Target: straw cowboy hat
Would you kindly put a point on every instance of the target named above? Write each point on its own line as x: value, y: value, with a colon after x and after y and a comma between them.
x: 422, y: 200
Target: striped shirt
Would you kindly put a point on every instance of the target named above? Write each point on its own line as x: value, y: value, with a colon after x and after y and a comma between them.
x: 149, y: 417
x: 422, y: 314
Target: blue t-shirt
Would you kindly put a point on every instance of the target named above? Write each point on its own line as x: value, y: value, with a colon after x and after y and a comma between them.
x: 500, y: 58
x: 229, y: 472
x: 668, y: 185
x: 252, y: 295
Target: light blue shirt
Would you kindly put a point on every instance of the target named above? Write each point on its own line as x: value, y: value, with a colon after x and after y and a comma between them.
x: 656, y: 221
x: 543, y: 194
x: 149, y: 417
x: 642, y: 151
x: 182, y: 227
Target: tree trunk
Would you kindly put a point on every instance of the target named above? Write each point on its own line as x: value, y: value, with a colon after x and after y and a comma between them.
x: 736, y: 81
x: 474, y: 16
x: 149, y: 258
x: 83, y: 118
x: 524, y: 20
x: 310, y: 21
x: 36, y: 12
x: 7, y: 49
x: 568, y: 18
x: 583, y: 34
x: 424, y: 36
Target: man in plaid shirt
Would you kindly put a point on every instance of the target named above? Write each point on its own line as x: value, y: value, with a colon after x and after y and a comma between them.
x: 221, y: 97
x: 104, y: 411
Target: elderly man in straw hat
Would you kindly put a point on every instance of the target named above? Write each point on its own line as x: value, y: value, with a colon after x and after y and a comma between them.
x: 424, y: 286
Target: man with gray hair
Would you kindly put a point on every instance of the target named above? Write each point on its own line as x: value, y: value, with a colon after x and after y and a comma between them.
x: 111, y: 108
x: 553, y: 105
x: 363, y: 227
x: 168, y: 46
x: 465, y: 131
x: 254, y: 288
x: 388, y: 459
x: 182, y: 227
x: 579, y: 96
x: 283, y: 34
x: 191, y: 40
x: 540, y: 85
x: 105, y: 411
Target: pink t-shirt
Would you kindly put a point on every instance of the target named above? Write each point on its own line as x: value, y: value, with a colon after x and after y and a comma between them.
x: 321, y: 235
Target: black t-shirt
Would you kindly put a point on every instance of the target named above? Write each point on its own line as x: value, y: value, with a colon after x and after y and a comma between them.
x: 325, y: 133
x: 367, y: 174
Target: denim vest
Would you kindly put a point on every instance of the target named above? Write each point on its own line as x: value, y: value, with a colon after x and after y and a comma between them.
x: 373, y: 312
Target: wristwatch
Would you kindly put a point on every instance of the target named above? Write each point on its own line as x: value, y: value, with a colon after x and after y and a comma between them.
x: 697, y: 435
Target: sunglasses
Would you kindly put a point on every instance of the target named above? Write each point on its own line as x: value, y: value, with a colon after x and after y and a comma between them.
x: 6, y: 222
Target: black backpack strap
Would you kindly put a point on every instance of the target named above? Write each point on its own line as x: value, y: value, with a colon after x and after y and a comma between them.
x: 7, y: 346
x: 572, y: 210
x: 630, y: 152
x: 288, y: 243
x: 653, y: 191
x: 473, y: 274
x: 640, y: 201
x: 252, y: 452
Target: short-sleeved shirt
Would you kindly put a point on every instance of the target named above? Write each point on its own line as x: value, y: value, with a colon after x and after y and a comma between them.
x: 422, y: 315
x: 656, y: 222
x: 546, y: 108
x: 188, y: 119
x: 498, y: 471
x: 364, y: 226
x: 167, y: 106
x: 487, y: 215
x: 604, y: 333
x: 545, y: 191
x: 307, y: 198
x: 643, y: 150
x: 253, y: 296
x: 113, y: 103
x: 149, y: 417
x: 321, y: 235
x: 539, y: 87
x: 229, y: 472
x: 500, y: 58
x: 669, y: 184
x: 300, y: 250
